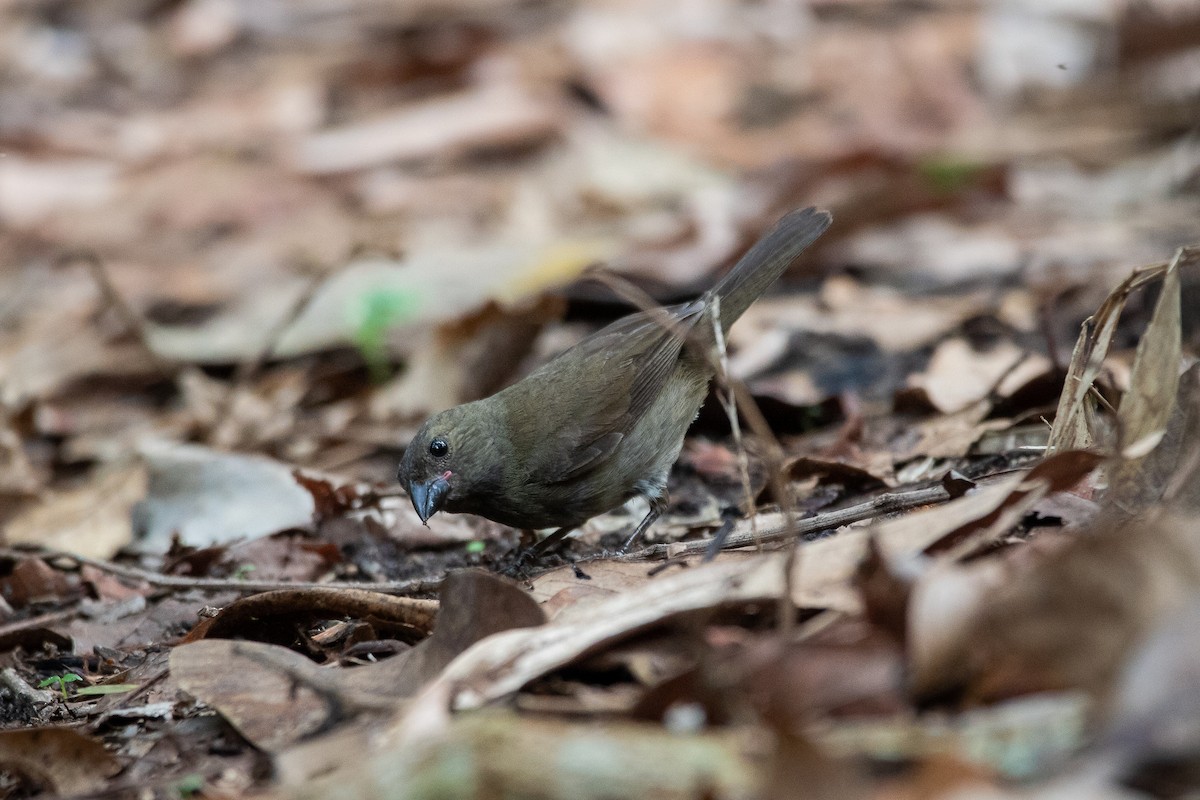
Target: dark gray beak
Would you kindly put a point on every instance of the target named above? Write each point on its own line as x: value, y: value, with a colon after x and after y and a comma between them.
x: 427, y: 497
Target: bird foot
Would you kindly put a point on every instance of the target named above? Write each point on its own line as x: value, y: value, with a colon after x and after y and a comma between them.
x: 518, y: 567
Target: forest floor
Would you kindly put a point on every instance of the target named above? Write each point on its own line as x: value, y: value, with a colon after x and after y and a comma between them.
x: 950, y: 548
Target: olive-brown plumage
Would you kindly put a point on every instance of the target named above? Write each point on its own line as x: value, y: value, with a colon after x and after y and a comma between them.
x: 602, y: 422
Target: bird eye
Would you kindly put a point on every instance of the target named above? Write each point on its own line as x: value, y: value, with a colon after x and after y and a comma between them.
x: 438, y: 447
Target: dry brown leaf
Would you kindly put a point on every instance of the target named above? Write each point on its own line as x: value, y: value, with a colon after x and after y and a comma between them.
x: 62, y: 760
x: 1148, y: 406
x: 33, y: 581
x: 1167, y: 471
x: 958, y: 375
x: 1069, y: 622
x: 266, y: 692
x: 493, y: 116
x: 254, y: 694
x: 92, y: 520
x: 1070, y: 430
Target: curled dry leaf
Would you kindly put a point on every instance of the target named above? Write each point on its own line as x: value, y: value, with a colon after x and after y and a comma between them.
x: 1071, y: 430
x: 1150, y: 402
x: 254, y: 696
x: 253, y: 616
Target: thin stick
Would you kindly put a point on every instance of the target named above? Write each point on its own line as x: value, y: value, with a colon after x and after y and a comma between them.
x: 890, y: 503
x: 217, y: 584
x: 729, y: 402
x: 878, y: 506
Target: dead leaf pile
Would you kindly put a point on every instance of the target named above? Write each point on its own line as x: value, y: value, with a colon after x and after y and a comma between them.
x: 248, y: 247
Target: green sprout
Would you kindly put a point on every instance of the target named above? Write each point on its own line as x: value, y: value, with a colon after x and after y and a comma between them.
x: 383, y: 309
x: 947, y: 174
x: 243, y: 572
x: 60, y: 682
x: 190, y: 785
x: 476, y: 546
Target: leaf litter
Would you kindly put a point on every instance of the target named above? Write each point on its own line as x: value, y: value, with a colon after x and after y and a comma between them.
x: 248, y: 251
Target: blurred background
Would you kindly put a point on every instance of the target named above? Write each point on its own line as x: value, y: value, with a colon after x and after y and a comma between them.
x: 247, y: 245
x: 296, y: 227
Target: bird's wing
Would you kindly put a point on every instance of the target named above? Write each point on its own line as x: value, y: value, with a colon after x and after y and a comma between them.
x: 614, y: 377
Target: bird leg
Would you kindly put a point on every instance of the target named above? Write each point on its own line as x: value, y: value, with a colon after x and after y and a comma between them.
x: 531, y: 554
x: 657, y: 506
x: 544, y: 545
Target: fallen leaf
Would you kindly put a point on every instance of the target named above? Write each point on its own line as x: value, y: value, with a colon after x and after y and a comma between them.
x: 1070, y: 620
x: 1149, y: 405
x: 1070, y: 430
x: 474, y: 605
x: 206, y: 497
x: 62, y: 760
x: 254, y: 696
x: 92, y: 520
x: 264, y: 615
x: 266, y: 692
x: 495, y: 115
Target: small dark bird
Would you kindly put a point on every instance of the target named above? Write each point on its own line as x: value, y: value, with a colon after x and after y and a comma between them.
x: 601, y: 423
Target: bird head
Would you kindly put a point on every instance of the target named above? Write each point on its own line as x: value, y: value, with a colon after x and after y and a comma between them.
x: 448, y: 458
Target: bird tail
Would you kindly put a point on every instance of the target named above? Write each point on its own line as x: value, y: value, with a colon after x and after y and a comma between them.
x: 766, y: 261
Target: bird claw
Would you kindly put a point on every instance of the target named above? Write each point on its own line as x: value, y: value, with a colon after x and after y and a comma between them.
x: 517, y: 569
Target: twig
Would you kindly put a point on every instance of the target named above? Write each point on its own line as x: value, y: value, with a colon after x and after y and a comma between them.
x: 783, y: 494
x: 729, y: 402
x: 889, y: 503
x: 40, y: 621
x: 218, y: 584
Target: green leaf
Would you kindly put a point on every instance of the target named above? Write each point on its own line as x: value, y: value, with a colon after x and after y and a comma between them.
x: 948, y: 174
x: 107, y: 688
x: 59, y: 680
x: 381, y: 310
x: 243, y: 572
x: 190, y: 785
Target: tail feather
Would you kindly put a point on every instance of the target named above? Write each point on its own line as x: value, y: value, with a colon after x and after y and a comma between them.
x: 763, y: 263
